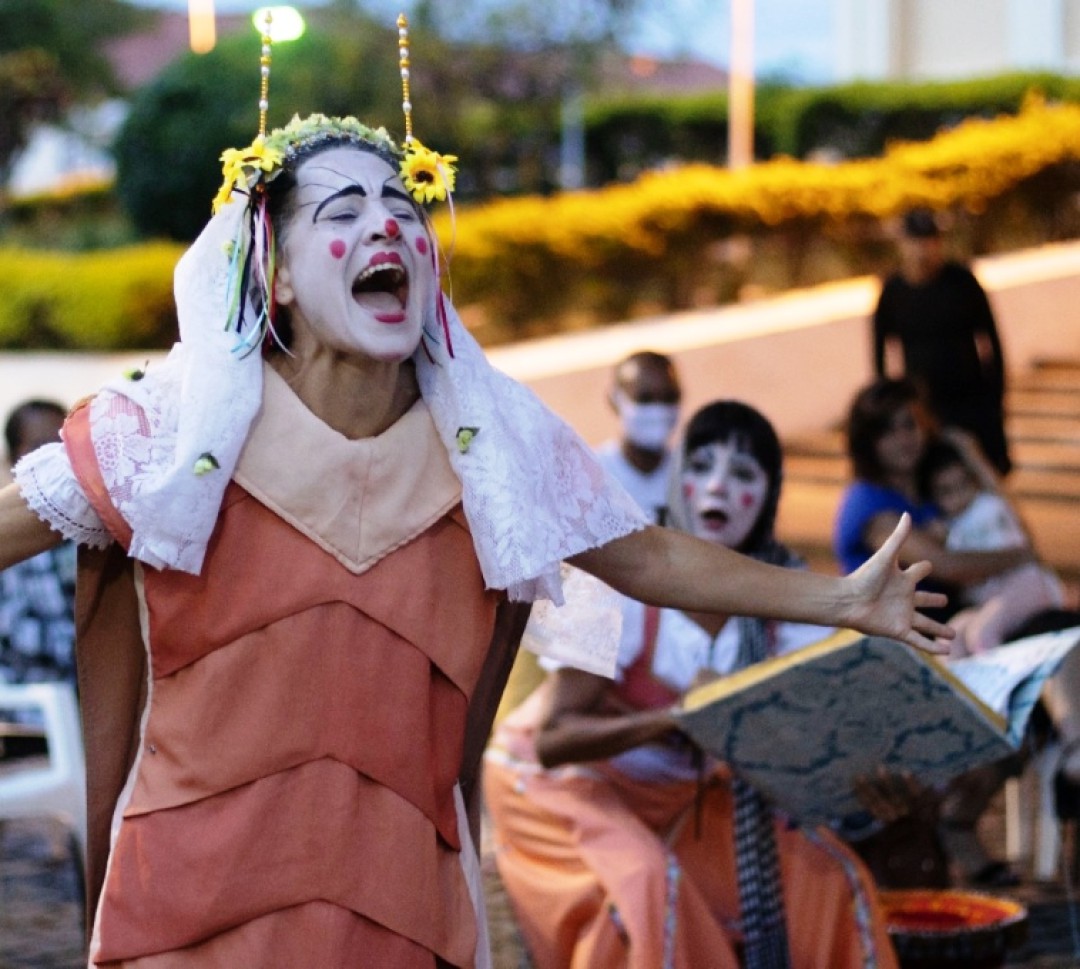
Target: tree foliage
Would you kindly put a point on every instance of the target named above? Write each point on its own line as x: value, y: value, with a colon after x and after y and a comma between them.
x: 50, y: 56
x: 495, y: 101
x: 168, y: 148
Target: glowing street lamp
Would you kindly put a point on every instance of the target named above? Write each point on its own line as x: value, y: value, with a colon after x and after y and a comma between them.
x: 286, y: 23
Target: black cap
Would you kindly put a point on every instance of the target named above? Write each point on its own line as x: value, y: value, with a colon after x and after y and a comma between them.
x: 921, y: 224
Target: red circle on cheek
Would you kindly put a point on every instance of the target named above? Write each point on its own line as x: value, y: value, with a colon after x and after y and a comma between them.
x: 747, y: 500
x: 337, y: 248
x: 421, y: 246
x: 688, y: 490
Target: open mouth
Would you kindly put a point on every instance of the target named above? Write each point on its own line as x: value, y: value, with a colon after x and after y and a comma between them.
x: 714, y: 518
x: 382, y: 288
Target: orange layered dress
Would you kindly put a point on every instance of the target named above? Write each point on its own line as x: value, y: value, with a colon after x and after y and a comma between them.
x: 291, y: 796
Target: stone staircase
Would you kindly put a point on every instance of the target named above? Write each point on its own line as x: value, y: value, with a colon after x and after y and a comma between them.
x: 1043, y: 424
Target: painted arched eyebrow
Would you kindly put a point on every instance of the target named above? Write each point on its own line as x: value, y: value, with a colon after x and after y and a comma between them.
x: 388, y: 192
x: 354, y: 189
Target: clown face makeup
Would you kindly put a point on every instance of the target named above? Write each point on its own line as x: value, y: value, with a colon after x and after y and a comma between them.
x: 725, y: 490
x: 352, y: 269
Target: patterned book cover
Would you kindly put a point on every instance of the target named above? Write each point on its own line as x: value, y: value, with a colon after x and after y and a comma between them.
x: 802, y: 727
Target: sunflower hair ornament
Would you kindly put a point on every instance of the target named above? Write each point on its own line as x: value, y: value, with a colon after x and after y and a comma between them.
x: 427, y: 175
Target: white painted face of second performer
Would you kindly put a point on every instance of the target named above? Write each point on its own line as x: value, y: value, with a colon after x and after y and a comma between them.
x: 355, y: 267
x: 725, y: 490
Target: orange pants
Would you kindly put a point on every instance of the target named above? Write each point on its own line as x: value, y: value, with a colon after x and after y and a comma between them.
x: 587, y: 857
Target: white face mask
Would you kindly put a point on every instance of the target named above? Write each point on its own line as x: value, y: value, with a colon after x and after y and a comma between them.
x: 646, y: 426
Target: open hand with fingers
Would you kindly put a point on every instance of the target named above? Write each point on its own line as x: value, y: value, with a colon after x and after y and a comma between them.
x: 886, y: 600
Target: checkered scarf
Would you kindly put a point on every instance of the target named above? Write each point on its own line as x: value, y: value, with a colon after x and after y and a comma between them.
x: 757, y: 861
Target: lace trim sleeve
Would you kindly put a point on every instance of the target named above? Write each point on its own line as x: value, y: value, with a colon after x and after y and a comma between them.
x: 584, y: 632
x: 48, y: 484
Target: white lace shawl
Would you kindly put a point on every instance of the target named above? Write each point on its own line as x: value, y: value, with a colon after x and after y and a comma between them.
x: 532, y: 491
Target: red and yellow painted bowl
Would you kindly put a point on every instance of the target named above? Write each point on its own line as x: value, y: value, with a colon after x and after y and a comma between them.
x: 947, y: 929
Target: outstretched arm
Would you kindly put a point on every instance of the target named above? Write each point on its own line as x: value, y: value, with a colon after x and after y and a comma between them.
x: 22, y: 533
x: 669, y: 568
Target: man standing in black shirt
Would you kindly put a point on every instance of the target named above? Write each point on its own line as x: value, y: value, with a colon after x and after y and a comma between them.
x: 940, y: 317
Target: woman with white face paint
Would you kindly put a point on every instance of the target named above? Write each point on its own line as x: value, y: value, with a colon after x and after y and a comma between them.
x: 305, y: 572
x: 310, y: 538
x: 618, y: 846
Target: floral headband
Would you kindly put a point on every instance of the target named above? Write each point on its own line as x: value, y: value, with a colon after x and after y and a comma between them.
x: 427, y: 175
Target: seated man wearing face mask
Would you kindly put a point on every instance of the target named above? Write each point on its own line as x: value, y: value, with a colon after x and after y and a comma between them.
x: 646, y: 397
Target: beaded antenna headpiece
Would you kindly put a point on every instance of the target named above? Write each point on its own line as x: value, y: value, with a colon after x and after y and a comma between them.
x: 427, y: 175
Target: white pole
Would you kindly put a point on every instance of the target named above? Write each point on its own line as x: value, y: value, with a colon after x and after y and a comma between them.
x: 741, y: 85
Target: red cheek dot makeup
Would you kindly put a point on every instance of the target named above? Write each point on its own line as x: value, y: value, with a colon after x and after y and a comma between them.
x: 337, y: 248
x: 421, y: 246
x: 392, y: 228
x: 688, y: 490
x: 747, y: 500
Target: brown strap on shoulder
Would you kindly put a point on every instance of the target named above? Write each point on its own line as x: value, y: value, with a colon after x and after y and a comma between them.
x: 510, y: 620
x: 639, y: 688
x: 111, y: 664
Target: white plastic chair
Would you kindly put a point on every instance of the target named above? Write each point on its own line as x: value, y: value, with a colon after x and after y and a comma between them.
x: 57, y: 787
x: 1032, y: 830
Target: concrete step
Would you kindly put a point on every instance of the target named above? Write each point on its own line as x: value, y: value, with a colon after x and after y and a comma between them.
x: 1041, y: 400
x: 1042, y: 427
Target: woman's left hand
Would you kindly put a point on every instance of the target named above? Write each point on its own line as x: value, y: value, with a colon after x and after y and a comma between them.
x: 886, y: 602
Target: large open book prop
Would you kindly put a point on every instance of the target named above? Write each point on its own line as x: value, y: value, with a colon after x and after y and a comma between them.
x: 801, y: 728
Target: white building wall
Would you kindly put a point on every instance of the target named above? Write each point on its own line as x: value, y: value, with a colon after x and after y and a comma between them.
x: 932, y: 39
x: 1070, y: 36
x: 1036, y: 33
x: 960, y: 38
x: 862, y: 33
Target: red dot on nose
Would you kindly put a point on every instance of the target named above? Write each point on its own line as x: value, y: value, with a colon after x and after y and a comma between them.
x: 337, y: 248
x: 392, y: 228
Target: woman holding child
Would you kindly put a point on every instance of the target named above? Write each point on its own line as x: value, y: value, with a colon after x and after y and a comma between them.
x: 617, y: 845
x: 888, y: 433
x: 901, y: 467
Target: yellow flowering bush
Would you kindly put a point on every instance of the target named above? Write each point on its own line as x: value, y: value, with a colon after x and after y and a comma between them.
x: 529, y: 257
x: 111, y: 299
x: 527, y: 265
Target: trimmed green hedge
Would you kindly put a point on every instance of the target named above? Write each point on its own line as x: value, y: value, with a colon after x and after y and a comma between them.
x: 856, y: 120
x: 694, y: 235
x: 106, y: 300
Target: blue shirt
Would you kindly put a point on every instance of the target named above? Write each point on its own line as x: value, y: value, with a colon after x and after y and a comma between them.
x: 860, y: 504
